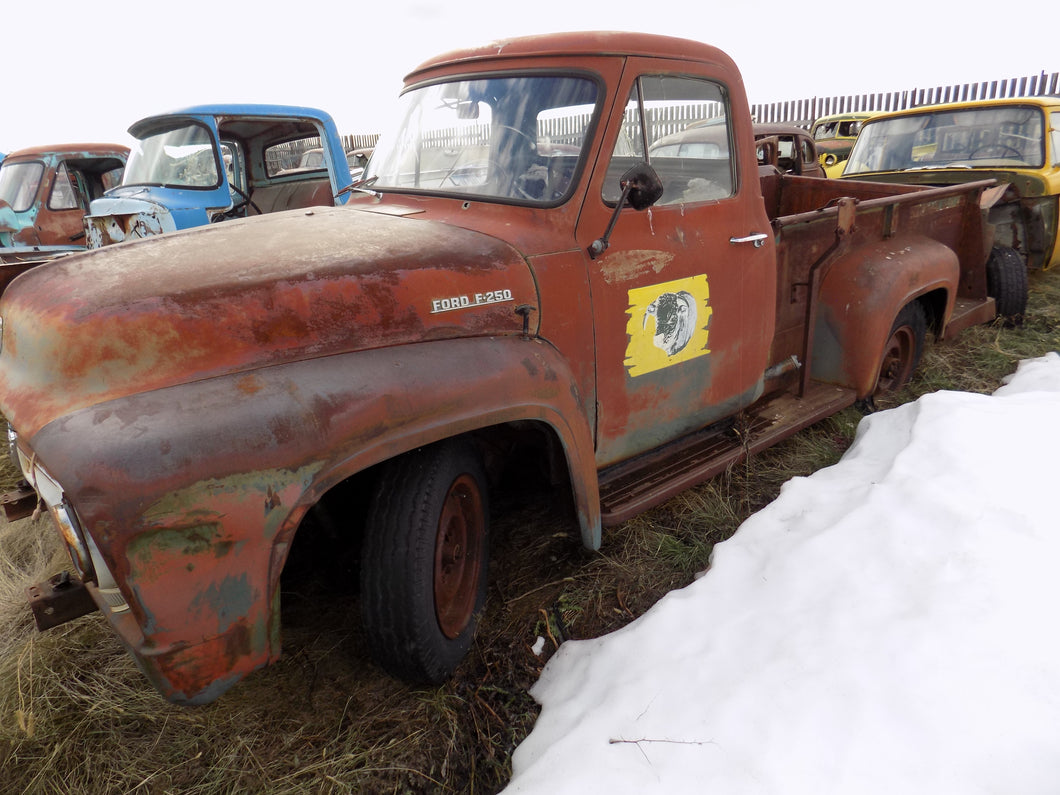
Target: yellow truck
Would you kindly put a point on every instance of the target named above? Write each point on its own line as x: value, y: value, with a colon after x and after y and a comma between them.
x: 1014, y: 141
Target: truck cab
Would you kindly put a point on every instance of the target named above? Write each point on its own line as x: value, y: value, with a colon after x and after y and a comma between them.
x: 45, y: 192
x: 210, y: 163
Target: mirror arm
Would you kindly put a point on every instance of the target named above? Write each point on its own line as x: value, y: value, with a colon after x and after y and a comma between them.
x: 599, y: 246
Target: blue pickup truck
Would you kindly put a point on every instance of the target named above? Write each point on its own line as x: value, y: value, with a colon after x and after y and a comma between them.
x: 209, y: 163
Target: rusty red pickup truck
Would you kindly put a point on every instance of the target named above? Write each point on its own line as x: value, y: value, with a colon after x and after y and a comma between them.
x: 518, y: 277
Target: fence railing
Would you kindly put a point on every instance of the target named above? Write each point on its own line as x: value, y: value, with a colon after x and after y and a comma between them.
x: 802, y: 112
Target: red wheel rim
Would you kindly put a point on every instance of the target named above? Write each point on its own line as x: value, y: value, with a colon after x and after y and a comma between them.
x: 897, y: 363
x: 458, y: 556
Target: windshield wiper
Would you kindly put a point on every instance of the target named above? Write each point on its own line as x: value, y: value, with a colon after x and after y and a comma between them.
x: 361, y: 185
x: 935, y: 168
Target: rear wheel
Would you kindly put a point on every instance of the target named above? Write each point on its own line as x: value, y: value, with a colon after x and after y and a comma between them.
x: 904, y: 347
x: 1006, y: 283
x: 424, y: 561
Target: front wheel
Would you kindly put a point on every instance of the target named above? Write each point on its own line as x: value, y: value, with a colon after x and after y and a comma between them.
x: 425, y: 560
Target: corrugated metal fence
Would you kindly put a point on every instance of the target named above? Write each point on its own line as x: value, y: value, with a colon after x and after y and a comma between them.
x: 803, y: 111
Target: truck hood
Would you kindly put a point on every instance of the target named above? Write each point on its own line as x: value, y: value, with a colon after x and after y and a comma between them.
x: 139, y: 211
x: 243, y: 295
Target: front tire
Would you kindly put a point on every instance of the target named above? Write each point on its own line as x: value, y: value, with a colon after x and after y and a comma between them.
x: 425, y: 560
x: 1006, y: 283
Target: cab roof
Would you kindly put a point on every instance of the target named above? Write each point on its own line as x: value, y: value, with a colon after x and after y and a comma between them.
x: 1044, y: 102
x: 551, y: 46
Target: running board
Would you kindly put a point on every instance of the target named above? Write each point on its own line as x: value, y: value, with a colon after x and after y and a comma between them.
x: 968, y: 312
x: 633, y: 486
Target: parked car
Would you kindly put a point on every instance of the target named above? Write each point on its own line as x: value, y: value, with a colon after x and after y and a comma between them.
x: 788, y: 148
x: 834, y: 136
x: 357, y: 159
x: 1014, y: 141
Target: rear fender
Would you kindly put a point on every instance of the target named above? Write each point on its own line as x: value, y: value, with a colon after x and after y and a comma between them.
x: 862, y: 294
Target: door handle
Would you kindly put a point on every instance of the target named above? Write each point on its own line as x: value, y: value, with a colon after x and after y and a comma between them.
x: 758, y: 239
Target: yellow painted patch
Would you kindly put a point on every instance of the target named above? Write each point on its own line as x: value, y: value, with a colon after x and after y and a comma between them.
x: 668, y: 324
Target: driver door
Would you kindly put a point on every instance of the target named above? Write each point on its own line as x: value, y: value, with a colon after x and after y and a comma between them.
x: 684, y: 296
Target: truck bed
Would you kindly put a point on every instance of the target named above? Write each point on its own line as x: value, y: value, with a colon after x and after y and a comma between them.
x: 815, y: 221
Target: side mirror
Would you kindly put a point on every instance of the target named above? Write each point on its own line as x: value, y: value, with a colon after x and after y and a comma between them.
x: 641, y: 188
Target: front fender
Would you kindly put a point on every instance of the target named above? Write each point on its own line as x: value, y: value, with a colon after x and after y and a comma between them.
x: 862, y: 294
x: 193, y: 492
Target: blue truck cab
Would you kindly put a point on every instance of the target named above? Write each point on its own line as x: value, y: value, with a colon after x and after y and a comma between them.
x: 209, y: 163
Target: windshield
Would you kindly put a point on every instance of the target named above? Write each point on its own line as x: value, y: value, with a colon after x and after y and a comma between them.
x: 511, y: 138
x: 177, y: 157
x: 990, y: 137
x: 845, y: 128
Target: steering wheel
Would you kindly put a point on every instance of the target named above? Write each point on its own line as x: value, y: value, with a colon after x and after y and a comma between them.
x: 1004, y: 150
x: 532, y: 143
x: 234, y: 210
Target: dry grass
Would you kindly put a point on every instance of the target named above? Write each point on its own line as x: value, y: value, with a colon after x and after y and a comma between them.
x: 76, y: 715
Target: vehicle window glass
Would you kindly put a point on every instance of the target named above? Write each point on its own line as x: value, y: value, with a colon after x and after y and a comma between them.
x: 299, y: 154
x: 112, y: 178
x: 825, y: 130
x: 1054, y: 136
x: 808, y: 155
x: 689, y: 134
x: 64, y: 193
x: 516, y: 138
x: 181, y: 157
x: 986, y: 137
x: 232, y: 157
x: 19, y: 183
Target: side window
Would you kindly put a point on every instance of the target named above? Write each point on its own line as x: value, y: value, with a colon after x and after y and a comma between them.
x: 808, y: 156
x: 64, y: 193
x: 112, y: 178
x: 1054, y: 136
x: 682, y: 126
x: 299, y: 154
x: 232, y: 157
x: 19, y: 183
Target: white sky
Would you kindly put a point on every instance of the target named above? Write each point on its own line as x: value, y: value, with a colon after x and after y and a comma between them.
x: 887, y: 626
x: 77, y: 72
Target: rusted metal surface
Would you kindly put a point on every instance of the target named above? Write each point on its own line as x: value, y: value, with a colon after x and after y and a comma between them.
x: 58, y: 600
x: 406, y: 281
x: 18, y: 503
x: 183, y: 402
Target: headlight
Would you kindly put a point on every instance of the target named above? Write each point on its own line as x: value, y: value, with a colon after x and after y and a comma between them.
x: 84, y: 553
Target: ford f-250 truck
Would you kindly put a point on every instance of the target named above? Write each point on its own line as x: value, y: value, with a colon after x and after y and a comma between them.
x: 518, y: 277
